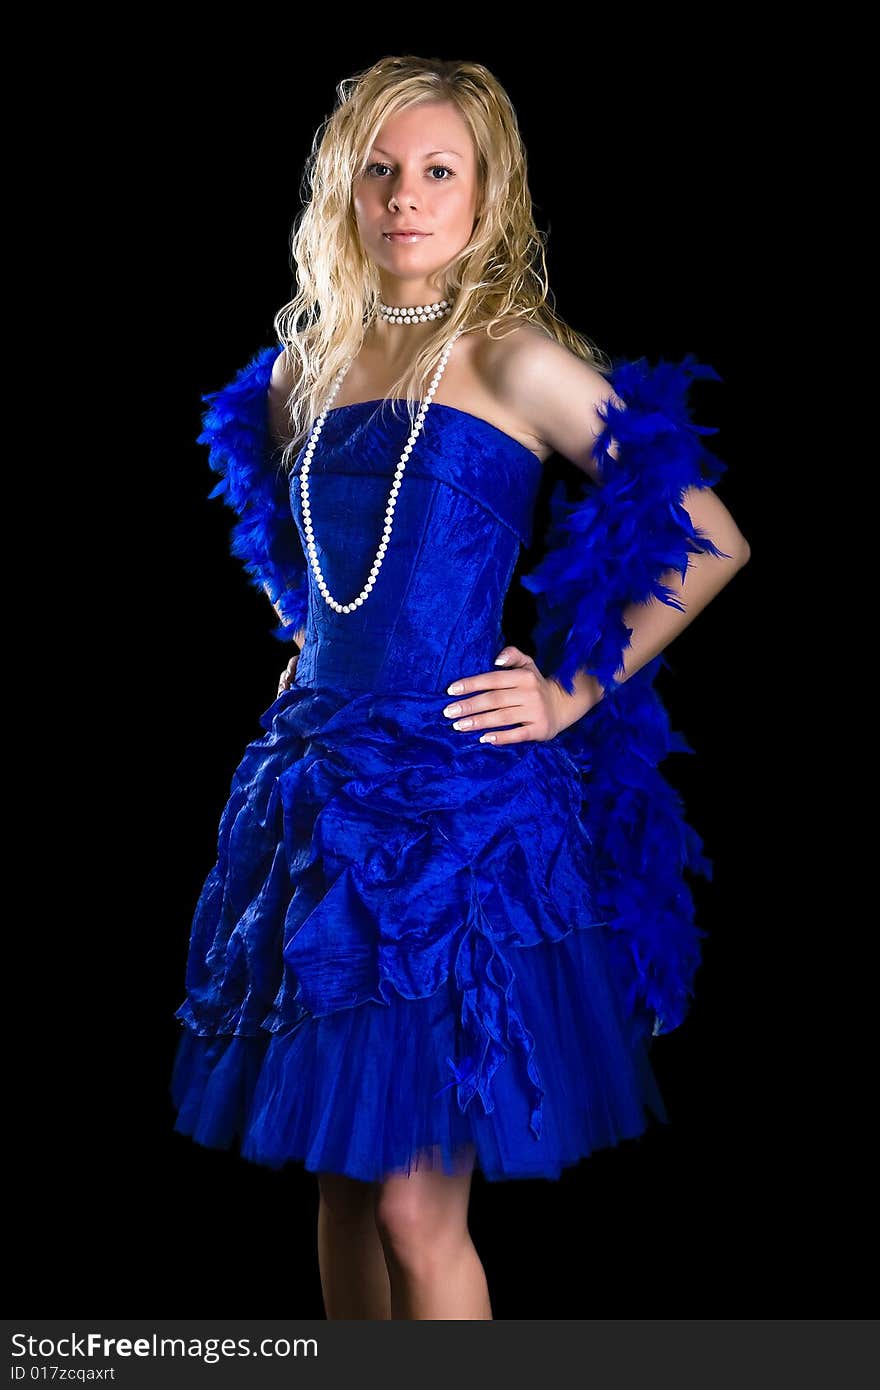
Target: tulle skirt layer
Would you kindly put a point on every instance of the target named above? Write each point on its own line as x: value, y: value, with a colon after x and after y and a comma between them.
x: 365, y: 1091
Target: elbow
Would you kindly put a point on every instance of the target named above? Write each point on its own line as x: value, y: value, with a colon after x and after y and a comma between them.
x: 736, y: 550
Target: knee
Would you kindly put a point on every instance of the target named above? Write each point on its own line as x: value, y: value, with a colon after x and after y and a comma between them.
x: 404, y: 1223
x: 412, y: 1227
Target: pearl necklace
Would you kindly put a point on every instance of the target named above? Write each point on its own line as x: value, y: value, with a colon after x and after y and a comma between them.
x: 419, y: 313
x: 311, y: 548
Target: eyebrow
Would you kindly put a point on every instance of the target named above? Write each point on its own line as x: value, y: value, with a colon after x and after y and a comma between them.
x: 427, y: 155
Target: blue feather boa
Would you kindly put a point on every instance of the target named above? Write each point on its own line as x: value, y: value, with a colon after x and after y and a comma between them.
x: 236, y: 429
x: 608, y: 548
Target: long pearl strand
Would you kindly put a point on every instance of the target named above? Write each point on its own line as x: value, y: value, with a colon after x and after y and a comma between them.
x: 311, y: 548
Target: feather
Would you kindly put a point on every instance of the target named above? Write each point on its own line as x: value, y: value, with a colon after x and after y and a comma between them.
x: 236, y: 429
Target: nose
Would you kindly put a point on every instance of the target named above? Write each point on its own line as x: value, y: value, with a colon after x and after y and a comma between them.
x: 401, y: 192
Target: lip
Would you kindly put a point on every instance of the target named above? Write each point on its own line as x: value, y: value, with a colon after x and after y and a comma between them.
x: 405, y: 236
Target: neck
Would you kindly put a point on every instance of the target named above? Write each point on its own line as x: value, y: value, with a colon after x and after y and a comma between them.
x: 397, y: 343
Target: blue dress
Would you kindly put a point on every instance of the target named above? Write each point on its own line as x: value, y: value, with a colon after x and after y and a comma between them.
x: 415, y: 949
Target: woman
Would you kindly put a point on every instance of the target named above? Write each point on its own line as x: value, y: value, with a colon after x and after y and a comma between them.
x: 448, y: 912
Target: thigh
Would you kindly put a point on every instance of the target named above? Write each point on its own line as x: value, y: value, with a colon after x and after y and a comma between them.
x: 347, y: 1198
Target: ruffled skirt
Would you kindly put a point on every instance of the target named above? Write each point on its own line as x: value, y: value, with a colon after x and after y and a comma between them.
x: 396, y: 962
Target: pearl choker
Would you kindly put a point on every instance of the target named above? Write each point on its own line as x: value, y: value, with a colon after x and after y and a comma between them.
x: 418, y: 313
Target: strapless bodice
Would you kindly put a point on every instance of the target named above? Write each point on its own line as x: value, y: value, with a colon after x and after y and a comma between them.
x: 464, y: 508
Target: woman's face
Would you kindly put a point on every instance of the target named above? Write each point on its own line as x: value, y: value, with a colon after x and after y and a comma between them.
x: 420, y: 173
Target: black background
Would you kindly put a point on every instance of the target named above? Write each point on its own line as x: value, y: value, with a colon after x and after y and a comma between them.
x: 177, y: 183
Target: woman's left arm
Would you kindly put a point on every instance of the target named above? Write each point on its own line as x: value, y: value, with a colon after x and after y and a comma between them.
x: 541, y: 703
x: 650, y: 529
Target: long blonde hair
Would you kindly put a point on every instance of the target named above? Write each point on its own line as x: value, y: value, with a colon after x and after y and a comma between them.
x: 500, y: 274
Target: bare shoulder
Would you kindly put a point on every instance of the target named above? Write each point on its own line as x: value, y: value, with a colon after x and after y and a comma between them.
x: 282, y: 378
x: 512, y: 339
x: 555, y: 393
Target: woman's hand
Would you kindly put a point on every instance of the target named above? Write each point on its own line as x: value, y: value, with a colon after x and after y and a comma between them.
x: 287, y: 675
x: 515, y: 694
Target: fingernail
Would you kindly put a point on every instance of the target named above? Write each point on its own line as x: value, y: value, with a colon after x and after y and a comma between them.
x: 487, y: 738
x: 500, y: 660
x: 454, y: 689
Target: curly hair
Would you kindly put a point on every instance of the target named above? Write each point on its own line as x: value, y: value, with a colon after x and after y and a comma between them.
x: 499, y: 274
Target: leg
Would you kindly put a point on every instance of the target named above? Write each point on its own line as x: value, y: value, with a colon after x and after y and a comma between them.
x: 435, y: 1270
x: 354, y: 1276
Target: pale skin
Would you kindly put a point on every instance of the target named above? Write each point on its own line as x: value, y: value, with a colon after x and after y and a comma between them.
x: 400, y: 1248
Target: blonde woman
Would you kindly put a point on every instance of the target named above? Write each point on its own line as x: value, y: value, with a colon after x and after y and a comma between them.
x: 444, y: 924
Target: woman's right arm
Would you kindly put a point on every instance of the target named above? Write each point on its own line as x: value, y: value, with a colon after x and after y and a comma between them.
x: 280, y: 386
x: 298, y: 637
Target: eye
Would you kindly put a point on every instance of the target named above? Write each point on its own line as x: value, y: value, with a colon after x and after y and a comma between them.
x: 444, y: 167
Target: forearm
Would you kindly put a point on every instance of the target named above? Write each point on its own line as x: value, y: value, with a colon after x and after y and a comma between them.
x: 654, y: 625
